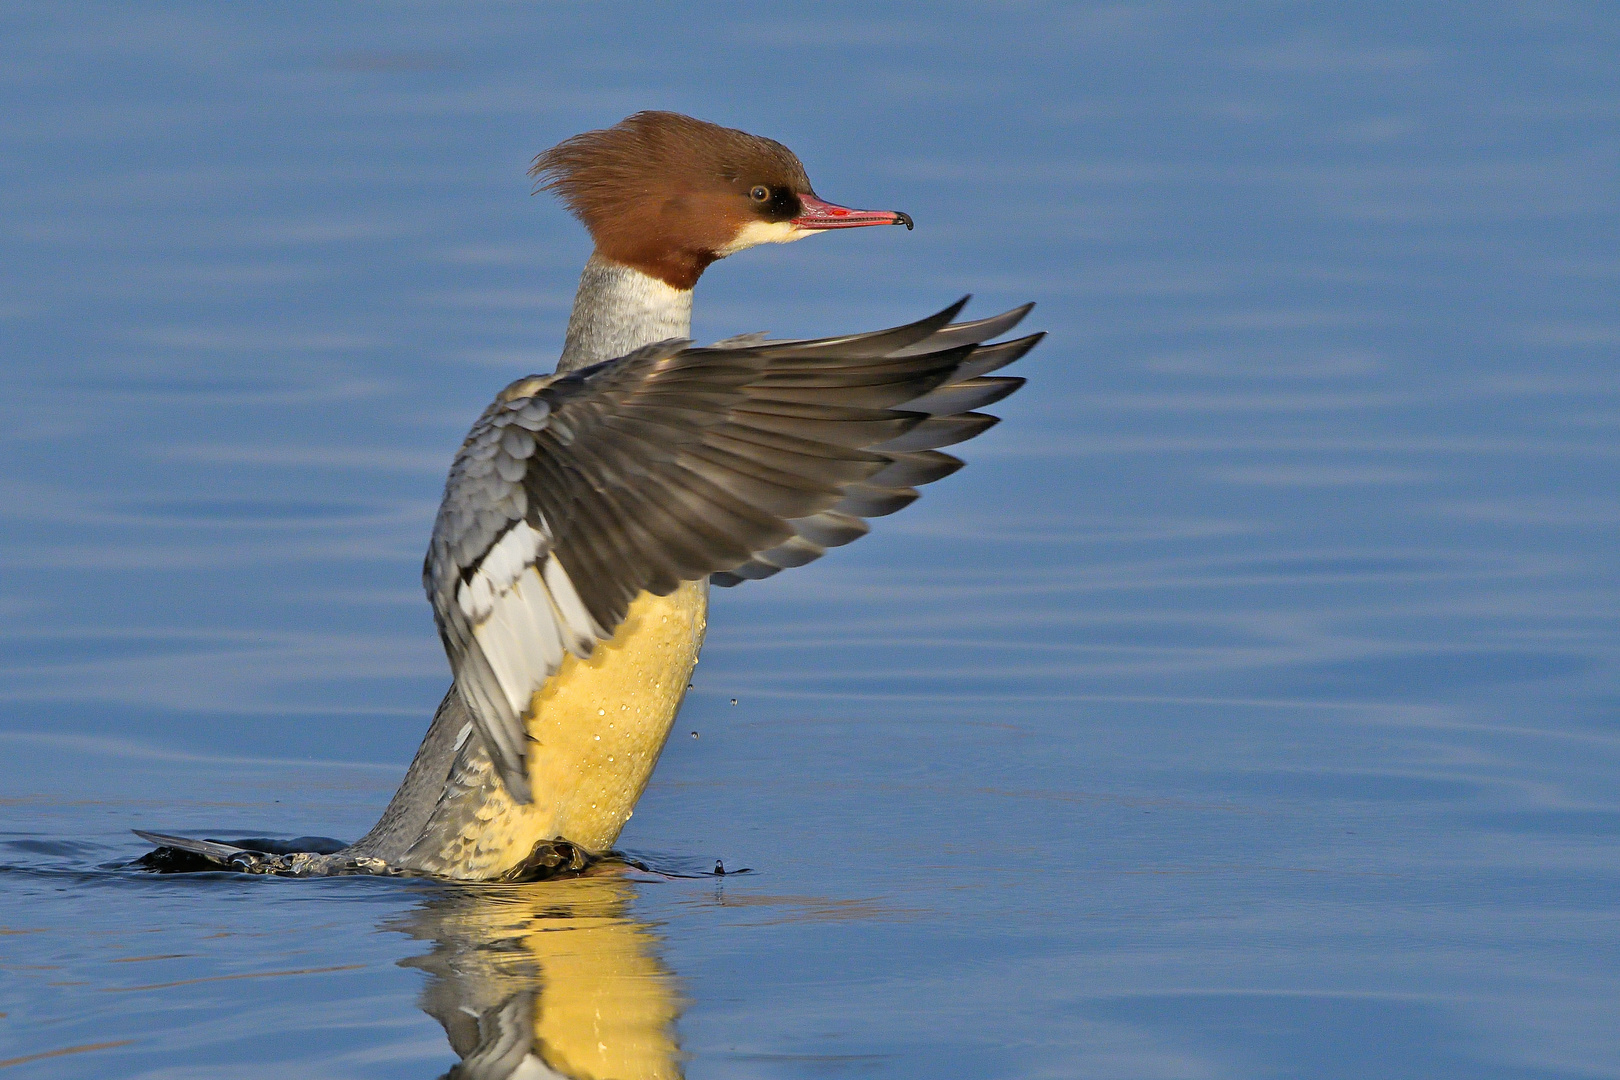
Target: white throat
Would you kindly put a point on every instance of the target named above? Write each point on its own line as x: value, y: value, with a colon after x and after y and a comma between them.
x: 618, y: 309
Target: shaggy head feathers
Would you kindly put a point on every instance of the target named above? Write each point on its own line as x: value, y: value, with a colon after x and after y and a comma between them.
x: 668, y: 194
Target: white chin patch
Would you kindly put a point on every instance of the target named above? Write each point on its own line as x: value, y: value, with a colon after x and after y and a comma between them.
x: 764, y: 232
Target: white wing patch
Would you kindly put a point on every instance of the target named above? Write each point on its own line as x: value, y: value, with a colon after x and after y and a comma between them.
x: 499, y: 570
x: 525, y: 614
x: 582, y: 629
x: 520, y: 639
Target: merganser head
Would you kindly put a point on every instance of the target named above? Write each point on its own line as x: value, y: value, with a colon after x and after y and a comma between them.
x: 668, y: 195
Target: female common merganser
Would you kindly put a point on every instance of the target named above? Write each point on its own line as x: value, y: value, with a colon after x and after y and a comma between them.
x: 588, y: 510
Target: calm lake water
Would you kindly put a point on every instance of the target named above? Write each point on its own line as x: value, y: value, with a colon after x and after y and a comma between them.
x: 1247, y: 708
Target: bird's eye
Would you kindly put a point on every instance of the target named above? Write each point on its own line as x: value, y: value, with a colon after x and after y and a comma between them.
x: 760, y: 194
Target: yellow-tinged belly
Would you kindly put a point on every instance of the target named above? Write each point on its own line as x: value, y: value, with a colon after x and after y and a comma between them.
x: 596, y: 729
x: 598, y: 725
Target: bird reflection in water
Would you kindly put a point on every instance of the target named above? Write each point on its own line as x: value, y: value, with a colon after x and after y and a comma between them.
x: 550, y: 979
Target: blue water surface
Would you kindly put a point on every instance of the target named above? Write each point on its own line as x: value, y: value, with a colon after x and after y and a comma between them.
x: 1247, y: 708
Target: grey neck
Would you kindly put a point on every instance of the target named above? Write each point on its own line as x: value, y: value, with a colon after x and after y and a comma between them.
x: 618, y: 309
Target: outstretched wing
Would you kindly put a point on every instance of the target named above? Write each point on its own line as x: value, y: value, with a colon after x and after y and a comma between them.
x: 575, y: 493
